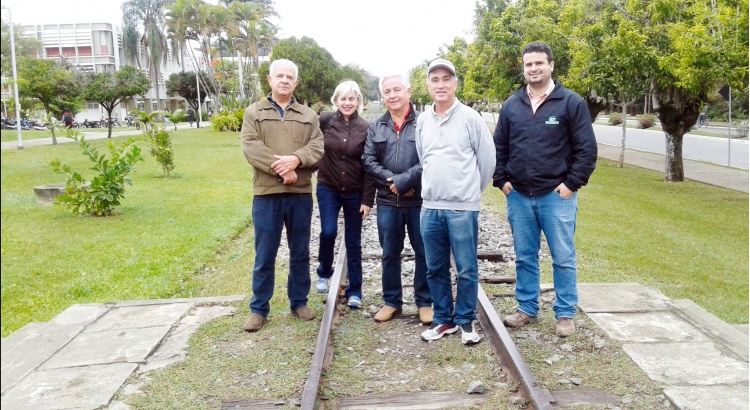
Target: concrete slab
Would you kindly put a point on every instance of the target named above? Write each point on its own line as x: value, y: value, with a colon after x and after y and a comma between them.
x: 648, y: 327
x: 742, y: 328
x: 110, y: 346
x: 689, y: 363
x: 211, y: 300
x: 40, y: 345
x: 709, y: 397
x: 17, y: 337
x: 620, y: 297
x: 133, y: 317
x: 89, y: 387
x: 723, y: 332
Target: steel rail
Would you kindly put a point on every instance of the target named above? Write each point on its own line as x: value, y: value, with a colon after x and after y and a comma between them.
x: 312, y: 385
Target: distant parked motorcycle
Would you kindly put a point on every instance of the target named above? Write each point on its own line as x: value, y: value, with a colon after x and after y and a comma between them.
x: 90, y: 124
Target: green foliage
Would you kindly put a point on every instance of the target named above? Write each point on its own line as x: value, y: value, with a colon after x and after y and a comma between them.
x: 161, y: 149
x: 184, y: 85
x: 56, y: 85
x: 228, y: 120
x: 615, y: 118
x: 646, y: 121
x: 25, y: 46
x: 110, y: 89
x: 318, y: 71
x: 105, y: 190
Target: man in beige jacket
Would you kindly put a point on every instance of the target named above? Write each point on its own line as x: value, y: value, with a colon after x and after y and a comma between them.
x: 281, y: 139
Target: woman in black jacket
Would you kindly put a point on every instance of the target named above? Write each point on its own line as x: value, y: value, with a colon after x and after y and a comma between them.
x: 343, y: 183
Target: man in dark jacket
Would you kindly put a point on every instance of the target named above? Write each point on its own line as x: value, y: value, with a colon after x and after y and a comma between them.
x: 546, y: 151
x: 390, y: 157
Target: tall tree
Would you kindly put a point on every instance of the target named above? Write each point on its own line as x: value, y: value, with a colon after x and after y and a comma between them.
x: 144, y: 22
x: 25, y: 47
x: 184, y: 85
x: 109, y: 90
x: 53, y: 83
x: 318, y: 71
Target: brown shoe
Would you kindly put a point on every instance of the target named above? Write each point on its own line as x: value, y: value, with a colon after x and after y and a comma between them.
x: 425, y: 315
x: 519, y: 319
x: 565, y: 327
x: 387, y: 313
x: 304, y: 313
x: 255, y: 322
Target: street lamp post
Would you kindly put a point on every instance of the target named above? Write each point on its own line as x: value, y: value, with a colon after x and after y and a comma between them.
x: 15, y: 78
x: 198, y: 88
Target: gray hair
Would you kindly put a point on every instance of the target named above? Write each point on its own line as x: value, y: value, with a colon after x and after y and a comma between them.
x: 283, y: 61
x: 404, y: 81
x: 347, y: 87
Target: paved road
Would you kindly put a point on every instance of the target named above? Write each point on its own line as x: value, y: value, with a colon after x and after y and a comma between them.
x: 695, y: 147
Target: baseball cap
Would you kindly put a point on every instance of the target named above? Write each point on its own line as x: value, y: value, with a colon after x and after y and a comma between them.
x: 441, y: 63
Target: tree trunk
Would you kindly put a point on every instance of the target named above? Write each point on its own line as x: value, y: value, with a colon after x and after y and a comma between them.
x: 595, y: 104
x: 677, y: 113
x: 674, y: 170
x: 624, y: 124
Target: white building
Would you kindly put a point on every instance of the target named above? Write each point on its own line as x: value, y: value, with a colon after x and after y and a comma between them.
x: 97, y: 47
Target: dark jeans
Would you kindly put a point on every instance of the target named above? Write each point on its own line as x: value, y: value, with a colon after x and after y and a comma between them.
x: 330, y: 202
x: 393, y: 223
x: 271, y: 213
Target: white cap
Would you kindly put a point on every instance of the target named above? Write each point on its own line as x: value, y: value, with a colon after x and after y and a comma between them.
x: 441, y: 63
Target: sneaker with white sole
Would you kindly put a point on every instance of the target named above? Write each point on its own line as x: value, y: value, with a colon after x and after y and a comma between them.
x: 436, y: 331
x: 322, y: 285
x: 354, y: 302
x: 469, y: 335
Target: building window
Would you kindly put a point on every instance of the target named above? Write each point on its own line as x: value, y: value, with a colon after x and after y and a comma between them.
x: 92, y: 105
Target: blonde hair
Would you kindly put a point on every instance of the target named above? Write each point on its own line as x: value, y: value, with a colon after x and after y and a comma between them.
x: 347, y: 87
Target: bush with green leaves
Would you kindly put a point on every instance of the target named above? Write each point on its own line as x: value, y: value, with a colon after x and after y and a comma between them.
x: 161, y: 149
x: 228, y: 120
x: 105, y: 190
x: 646, y: 121
x: 615, y: 118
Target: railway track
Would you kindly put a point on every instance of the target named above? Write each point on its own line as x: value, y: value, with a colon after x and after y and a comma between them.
x: 506, y: 352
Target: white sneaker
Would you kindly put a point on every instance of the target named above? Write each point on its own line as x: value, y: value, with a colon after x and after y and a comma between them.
x: 469, y: 335
x: 436, y: 331
x: 322, y: 285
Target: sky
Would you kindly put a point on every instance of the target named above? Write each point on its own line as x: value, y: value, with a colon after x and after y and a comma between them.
x: 380, y: 36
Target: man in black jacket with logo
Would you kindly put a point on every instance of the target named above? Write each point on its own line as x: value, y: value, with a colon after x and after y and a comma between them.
x: 546, y: 151
x: 390, y: 157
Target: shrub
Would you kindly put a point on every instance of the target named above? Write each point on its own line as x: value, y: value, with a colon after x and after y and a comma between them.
x: 226, y: 121
x: 646, y: 121
x: 104, y: 192
x: 615, y: 118
x: 161, y: 149
x: 742, y: 129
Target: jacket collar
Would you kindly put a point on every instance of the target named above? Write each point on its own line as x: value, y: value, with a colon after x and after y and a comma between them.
x: 386, y: 118
x: 521, y: 92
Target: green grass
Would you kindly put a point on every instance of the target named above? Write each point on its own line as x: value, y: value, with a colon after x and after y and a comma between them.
x: 689, y: 240
x: 12, y: 135
x: 156, y: 246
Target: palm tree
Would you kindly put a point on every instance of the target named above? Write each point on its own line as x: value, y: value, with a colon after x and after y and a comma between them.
x: 250, y: 31
x: 143, y: 21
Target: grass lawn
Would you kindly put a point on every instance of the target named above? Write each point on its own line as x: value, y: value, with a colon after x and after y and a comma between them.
x: 689, y: 240
x: 157, y: 246
x: 189, y: 236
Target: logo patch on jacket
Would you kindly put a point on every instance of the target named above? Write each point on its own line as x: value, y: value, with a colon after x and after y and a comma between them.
x: 552, y: 120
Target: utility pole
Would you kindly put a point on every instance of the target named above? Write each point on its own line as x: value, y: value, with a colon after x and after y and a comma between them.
x: 15, y: 77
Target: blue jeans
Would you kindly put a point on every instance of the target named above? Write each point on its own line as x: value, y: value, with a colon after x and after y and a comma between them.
x: 393, y: 223
x: 330, y: 202
x: 442, y: 231
x: 556, y: 217
x: 271, y: 213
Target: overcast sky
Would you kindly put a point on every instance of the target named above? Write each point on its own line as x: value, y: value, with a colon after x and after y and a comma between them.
x: 381, y: 36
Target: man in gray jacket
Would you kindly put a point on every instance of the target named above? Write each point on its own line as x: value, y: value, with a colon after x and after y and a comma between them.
x: 457, y: 155
x: 390, y: 157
